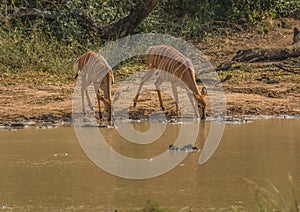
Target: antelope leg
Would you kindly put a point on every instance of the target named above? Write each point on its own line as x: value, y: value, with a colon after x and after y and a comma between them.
x: 88, y: 99
x: 99, y: 107
x: 82, y: 99
x: 175, y: 93
x: 157, y: 84
x: 147, y: 76
x: 98, y: 99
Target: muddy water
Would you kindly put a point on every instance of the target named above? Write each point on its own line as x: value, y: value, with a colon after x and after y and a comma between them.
x: 46, y: 170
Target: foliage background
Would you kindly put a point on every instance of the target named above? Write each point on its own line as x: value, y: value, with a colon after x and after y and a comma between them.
x: 51, y: 45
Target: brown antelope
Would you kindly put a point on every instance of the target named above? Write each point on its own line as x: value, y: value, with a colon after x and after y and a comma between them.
x: 171, y: 65
x: 95, y: 69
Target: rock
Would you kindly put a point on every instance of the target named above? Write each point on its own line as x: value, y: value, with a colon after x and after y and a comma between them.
x: 17, y: 125
x: 173, y: 120
x: 186, y: 148
x: 173, y: 148
x: 48, y: 117
x: 271, y: 81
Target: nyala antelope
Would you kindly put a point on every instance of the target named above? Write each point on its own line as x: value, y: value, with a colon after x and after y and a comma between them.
x: 171, y: 65
x: 95, y: 69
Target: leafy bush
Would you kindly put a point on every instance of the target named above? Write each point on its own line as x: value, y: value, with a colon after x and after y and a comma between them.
x: 287, y: 8
x: 52, y: 40
x: 254, y: 11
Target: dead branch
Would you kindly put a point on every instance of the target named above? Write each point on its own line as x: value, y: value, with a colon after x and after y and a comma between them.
x: 214, y: 82
x: 21, y: 12
x: 268, y: 54
x: 228, y: 77
x: 282, y: 67
x: 225, y: 67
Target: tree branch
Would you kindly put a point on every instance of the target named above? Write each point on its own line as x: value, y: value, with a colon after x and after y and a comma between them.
x: 21, y: 12
x: 127, y: 24
x: 121, y: 28
x: 87, y: 21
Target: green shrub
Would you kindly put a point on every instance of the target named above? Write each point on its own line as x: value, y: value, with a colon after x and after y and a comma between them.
x: 52, y: 41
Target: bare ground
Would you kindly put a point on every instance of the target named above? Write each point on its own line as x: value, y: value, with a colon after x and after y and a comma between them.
x: 254, y: 89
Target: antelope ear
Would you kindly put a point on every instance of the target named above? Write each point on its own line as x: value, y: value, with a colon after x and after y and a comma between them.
x: 204, y: 91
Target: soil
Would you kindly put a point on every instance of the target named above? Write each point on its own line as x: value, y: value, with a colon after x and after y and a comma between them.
x: 254, y: 89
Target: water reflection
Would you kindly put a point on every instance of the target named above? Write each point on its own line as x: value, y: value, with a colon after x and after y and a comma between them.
x: 48, y: 170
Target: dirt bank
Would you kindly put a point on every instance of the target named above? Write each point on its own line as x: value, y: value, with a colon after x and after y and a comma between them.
x: 254, y: 89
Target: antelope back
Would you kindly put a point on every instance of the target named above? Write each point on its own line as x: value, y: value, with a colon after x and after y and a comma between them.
x: 94, y: 66
x: 168, y: 59
x: 83, y: 59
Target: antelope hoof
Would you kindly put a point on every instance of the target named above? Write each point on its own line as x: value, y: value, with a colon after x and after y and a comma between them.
x: 163, y: 108
x: 91, y: 107
x: 134, y: 104
x: 100, y: 116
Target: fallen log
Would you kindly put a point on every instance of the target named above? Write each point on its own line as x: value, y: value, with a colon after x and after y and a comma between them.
x: 270, y: 54
x: 225, y: 67
x: 267, y: 55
